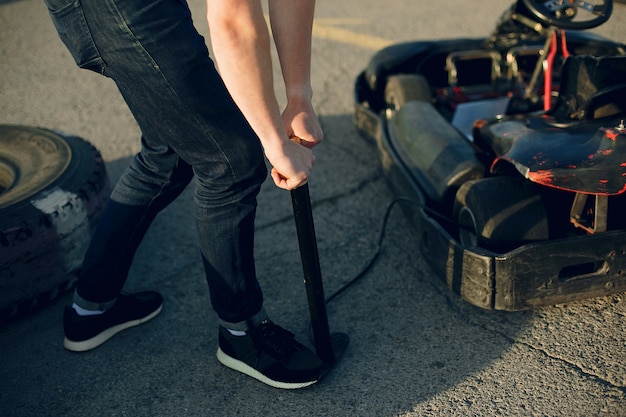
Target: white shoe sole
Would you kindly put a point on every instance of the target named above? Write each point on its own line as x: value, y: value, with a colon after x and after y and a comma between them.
x: 244, y: 368
x: 102, y: 337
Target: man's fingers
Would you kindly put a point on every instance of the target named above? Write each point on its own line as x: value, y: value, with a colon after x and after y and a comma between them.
x: 286, y: 183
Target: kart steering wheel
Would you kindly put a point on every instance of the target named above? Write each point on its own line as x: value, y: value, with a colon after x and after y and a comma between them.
x: 562, y: 13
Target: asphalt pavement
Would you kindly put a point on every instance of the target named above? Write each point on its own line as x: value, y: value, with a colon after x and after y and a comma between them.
x: 416, y: 349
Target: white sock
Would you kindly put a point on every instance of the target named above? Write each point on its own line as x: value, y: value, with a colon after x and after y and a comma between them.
x: 237, y: 332
x: 82, y: 312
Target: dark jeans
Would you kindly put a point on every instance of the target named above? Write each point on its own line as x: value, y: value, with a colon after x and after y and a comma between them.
x: 189, y: 125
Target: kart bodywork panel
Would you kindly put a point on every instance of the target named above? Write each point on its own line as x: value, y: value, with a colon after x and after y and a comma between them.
x: 531, y: 275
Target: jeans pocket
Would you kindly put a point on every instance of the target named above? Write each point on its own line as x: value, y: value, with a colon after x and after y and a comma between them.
x: 69, y: 20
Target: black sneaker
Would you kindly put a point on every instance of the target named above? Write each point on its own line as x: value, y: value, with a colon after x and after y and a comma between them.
x: 84, y: 333
x: 270, y: 354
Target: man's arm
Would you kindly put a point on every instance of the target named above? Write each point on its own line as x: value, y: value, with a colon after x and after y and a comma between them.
x: 292, y: 23
x: 241, y: 44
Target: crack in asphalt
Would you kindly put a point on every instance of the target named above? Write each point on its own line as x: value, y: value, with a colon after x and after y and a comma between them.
x: 513, y: 341
x: 579, y: 368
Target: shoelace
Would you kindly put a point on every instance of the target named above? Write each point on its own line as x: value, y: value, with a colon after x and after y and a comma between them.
x: 273, y: 339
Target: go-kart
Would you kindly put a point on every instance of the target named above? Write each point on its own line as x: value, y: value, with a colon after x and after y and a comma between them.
x: 509, y: 153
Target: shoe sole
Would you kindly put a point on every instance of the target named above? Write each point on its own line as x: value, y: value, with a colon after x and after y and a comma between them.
x: 244, y: 368
x: 100, y: 338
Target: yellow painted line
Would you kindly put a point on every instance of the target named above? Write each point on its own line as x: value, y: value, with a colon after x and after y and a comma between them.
x: 322, y: 30
x: 341, y: 21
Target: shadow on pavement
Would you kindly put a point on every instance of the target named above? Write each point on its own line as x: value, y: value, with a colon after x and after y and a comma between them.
x: 411, y: 338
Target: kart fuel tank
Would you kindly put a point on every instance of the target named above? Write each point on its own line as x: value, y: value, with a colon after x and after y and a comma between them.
x: 435, y: 153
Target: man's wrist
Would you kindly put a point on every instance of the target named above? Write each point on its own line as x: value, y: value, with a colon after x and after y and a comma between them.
x: 299, y: 94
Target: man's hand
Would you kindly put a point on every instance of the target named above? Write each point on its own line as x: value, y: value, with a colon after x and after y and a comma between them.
x: 292, y: 164
x: 300, y: 121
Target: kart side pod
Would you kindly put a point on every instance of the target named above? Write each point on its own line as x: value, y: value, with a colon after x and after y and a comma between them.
x: 436, y: 154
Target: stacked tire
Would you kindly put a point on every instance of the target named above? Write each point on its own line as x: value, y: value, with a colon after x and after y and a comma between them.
x: 53, y: 187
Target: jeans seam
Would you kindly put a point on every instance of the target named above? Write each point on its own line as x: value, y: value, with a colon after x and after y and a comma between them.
x: 172, y: 89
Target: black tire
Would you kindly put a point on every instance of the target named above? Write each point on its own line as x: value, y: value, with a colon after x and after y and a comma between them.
x: 53, y: 188
x: 499, y: 214
x: 402, y: 88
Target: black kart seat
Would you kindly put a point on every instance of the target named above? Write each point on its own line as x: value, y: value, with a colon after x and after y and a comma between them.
x: 591, y: 88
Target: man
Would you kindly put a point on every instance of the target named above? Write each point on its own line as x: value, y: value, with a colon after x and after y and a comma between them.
x: 194, y: 121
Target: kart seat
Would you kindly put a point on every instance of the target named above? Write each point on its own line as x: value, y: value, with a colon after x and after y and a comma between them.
x: 591, y: 88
